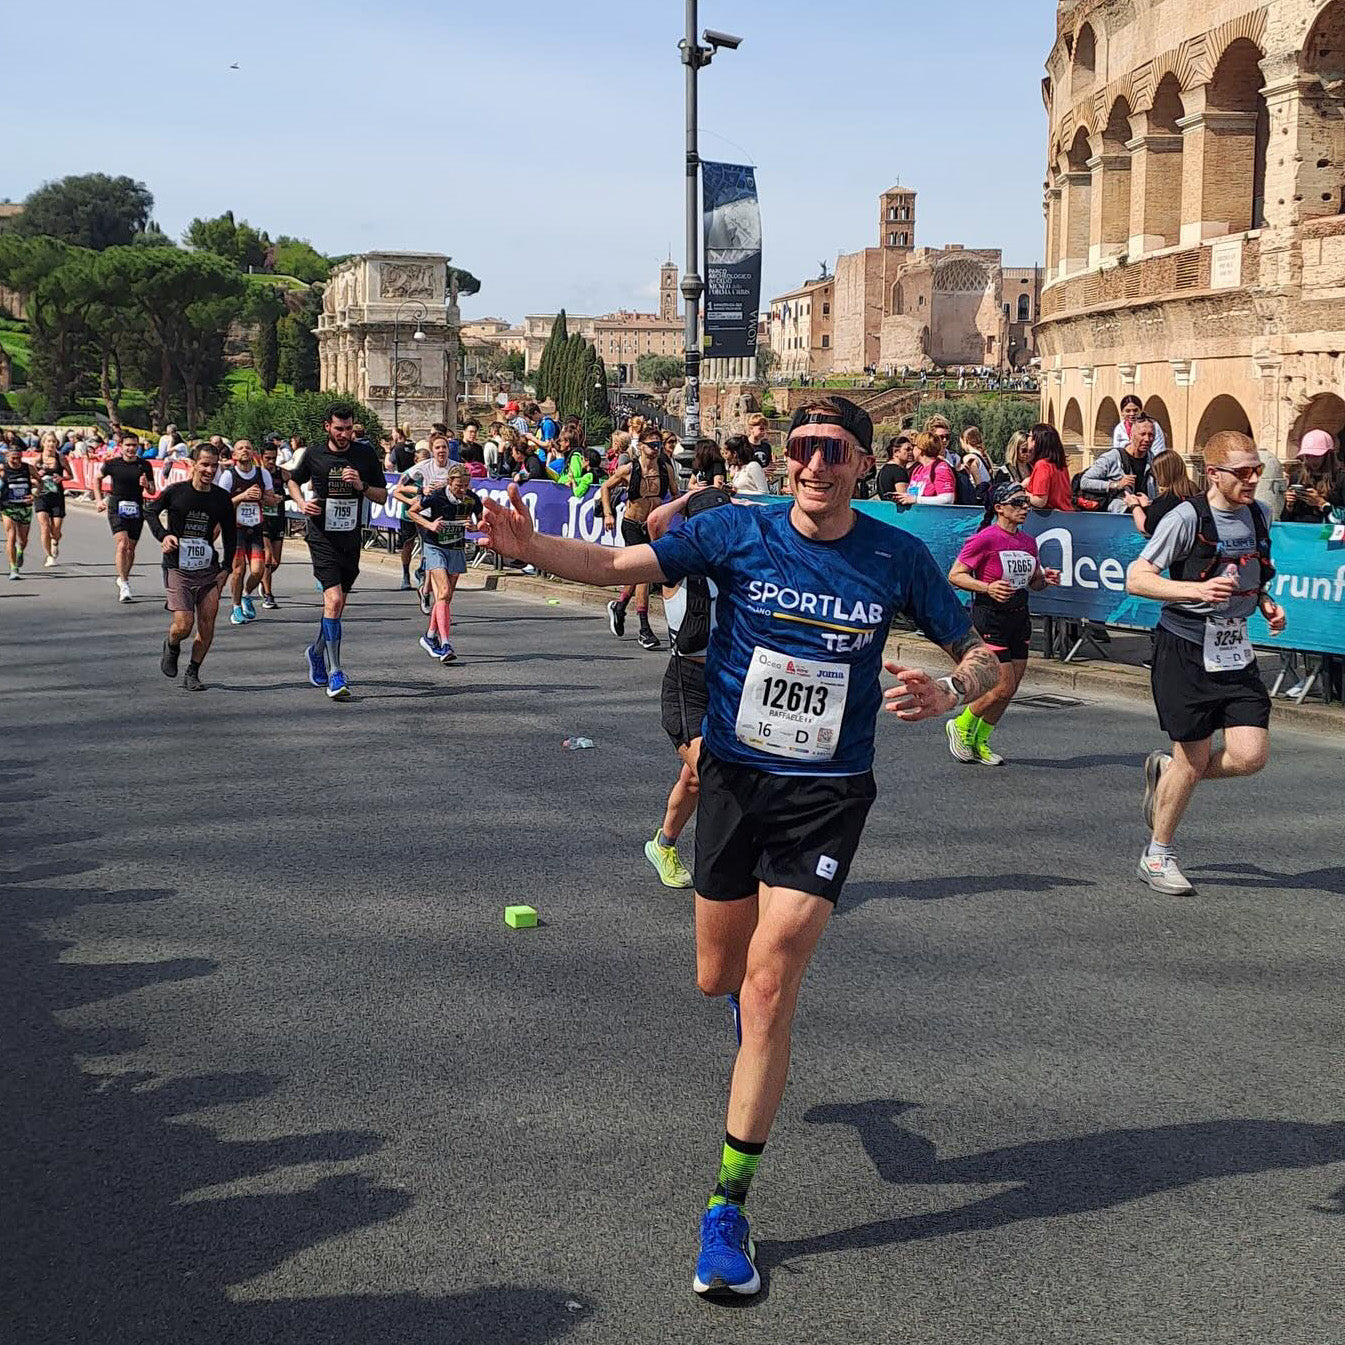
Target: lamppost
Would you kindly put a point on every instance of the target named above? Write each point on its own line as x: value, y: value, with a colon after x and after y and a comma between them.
x: 695, y: 58
x: 418, y: 335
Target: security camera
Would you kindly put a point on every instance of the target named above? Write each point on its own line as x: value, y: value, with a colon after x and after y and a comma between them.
x: 722, y: 39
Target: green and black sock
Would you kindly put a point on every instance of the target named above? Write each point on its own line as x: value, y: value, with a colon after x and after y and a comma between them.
x: 737, y: 1167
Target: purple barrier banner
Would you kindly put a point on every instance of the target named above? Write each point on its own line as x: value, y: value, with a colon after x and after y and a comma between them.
x: 555, y: 510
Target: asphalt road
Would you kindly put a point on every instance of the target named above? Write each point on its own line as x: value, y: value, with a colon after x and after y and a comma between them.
x: 274, y: 1069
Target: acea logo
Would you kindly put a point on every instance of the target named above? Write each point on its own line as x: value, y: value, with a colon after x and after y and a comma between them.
x: 1081, y: 571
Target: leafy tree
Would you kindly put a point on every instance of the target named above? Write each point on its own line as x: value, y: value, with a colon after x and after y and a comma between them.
x: 297, y: 347
x: 468, y: 284
x: 514, y: 363
x: 34, y: 266
x: 266, y: 354
x: 570, y: 389
x: 297, y: 257
x: 598, y: 410
x: 766, y: 361
x: 238, y: 242
x: 92, y: 211
x: 662, y: 370
x: 284, y: 413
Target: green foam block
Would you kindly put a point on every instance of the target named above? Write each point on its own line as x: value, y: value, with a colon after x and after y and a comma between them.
x: 520, y: 917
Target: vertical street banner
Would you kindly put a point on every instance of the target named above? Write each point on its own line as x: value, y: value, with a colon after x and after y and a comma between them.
x: 732, y: 260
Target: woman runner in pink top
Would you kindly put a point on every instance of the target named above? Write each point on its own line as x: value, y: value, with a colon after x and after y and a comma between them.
x: 997, y: 566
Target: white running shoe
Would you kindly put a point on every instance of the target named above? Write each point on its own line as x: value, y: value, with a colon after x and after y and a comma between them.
x: 1163, y: 875
x: 49, y: 562
x: 123, y: 591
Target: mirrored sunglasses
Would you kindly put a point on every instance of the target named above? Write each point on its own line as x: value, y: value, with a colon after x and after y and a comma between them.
x: 801, y: 448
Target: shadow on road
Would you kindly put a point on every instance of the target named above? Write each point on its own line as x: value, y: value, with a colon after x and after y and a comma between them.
x: 1054, y: 1177
x: 1083, y: 763
x: 110, y: 1232
x: 945, y: 887
x: 1256, y: 879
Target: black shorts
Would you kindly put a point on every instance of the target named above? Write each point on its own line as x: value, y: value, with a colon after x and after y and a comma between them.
x: 274, y: 528
x: 684, y: 700
x: 1009, y: 633
x: 795, y: 831
x: 53, y: 504
x: 1193, y: 703
x: 251, y: 544
x: 334, y: 563
x: 407, y: 533
x: 132, y: 527
x: 633, y: 533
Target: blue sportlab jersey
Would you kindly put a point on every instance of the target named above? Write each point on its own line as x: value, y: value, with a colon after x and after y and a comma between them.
x: 793, y: 664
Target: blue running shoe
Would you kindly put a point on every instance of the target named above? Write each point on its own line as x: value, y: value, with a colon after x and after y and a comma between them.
x: 236, y: 617
x: 431, y: 646
x: 317, y: 666
x: 726, y: 1265
x: 736, y: 1010
x: 337, y: 689
x: 446, y: 654
x: 249, y: 608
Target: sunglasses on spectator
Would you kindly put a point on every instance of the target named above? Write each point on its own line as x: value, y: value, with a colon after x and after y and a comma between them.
x: 801, y: 448
x: 1244, y: 474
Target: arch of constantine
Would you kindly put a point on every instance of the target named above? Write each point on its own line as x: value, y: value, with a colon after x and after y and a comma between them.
x: 1195, y: 219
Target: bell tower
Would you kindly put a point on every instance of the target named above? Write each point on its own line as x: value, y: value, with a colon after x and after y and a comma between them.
x: 896, y: 219
x: 667, y: 291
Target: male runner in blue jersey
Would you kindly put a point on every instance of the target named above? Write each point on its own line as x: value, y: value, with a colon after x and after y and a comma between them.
x: 806, y: 596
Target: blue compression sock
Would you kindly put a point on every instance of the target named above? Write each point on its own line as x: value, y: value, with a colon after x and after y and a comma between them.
x: 331, y: 638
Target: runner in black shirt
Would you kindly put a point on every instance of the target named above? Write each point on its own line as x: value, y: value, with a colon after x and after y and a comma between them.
x: 273, y: 522
x: 401, y: 457
x: 198, y: 512
x: 19, y: 483
x: 342, y: 474
x: 444, y: 515
x: 129, y: 474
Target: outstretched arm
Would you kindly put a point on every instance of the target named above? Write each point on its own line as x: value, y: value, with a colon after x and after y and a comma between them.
x: 509, y: 531
x: 918, y: 696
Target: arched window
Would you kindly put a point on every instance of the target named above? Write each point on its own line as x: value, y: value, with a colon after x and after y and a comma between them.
x: 1234, y: 187
x: 1108, y: 418
x: 1071, y: 431
x: 1084, y: 72
x: 1322, y: 188
x: 1156, y: 409
x: 1223, y: 413
x: 1024, y: 308
x: 1326, y: 411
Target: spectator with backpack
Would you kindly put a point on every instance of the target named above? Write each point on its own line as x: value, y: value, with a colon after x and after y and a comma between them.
x: 1121, y: 472
x: 932, y: 481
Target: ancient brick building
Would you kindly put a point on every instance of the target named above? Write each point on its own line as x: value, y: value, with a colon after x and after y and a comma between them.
x: 1194, y: 230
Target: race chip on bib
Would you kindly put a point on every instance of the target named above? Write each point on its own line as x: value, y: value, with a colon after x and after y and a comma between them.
x: 341, y: 515
x: 1018, y: 567
x: 128, y: 508
x: 249, y: 515
x: 792, y: 707
x: 1227, y: 646
x: 194, y: 553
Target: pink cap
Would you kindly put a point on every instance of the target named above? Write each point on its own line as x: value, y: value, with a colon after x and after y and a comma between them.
x: 1316, y: 444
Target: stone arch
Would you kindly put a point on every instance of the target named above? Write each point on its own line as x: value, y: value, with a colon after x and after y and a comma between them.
x: 1083, y: 74
x: 1156, y: 409
x: 898, y: 298
x: 1024, y: 308
x: 1050, y: 413
x: 1071, y: 428
x: 1322, y: 188
x: 1236, y: 137
x: 1156, y: 166
x: 1222, y: 413
x: 1111, y: 185
x: 1108, y: 418
x: 1077, y: 203
x: 1325, y: 411
x: 961, y: 275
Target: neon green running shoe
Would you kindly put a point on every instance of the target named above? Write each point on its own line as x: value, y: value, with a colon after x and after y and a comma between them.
x: 667, y: 864
x: 983, y: 756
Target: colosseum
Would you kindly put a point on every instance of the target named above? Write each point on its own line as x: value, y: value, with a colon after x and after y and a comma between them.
x: 1195, y: 234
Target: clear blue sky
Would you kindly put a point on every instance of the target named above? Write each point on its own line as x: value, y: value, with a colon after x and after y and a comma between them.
x: 538, y: 143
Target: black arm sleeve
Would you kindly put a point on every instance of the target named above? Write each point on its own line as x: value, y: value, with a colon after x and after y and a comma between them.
x: 153, y: 509
x: 228, y: 526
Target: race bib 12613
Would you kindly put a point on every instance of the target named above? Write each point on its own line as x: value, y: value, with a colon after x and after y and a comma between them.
x: 792, y: 707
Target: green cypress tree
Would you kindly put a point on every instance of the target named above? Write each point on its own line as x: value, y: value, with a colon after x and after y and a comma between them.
x: 598, y: 410
x: 571, y: 383
x: 546, y: 366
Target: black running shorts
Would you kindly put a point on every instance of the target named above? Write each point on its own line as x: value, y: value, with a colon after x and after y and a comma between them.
x: 52, y: 503
x: 633, y: 533
x: 1008, y: 633
x: 251, y: 543
x: 407, y: 533
x: 685, y: 700
x: 334, y: 563
x: 794, y: 831
x: 1193, y: 703
x: 132, y: 527
x: 274, y: 528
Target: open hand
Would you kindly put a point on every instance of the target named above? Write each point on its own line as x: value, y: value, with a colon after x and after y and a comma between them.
x: 916, y: 695
x: 508, y: 528
x: 1000, y: 590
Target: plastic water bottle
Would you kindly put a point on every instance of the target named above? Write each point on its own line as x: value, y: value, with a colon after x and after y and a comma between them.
x: 577, y: 744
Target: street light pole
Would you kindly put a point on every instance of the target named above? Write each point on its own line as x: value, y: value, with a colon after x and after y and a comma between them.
x: 693, y: 57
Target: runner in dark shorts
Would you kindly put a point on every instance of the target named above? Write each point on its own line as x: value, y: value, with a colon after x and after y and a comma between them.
x: 53, y: 469
x: 198, y: 513
x: 273, y: 522
x: 343, y: 473
x: 130, y: 476
x: 19, y: 483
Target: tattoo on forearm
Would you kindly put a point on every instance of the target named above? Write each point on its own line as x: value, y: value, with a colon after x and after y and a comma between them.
x: 977, y: 669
